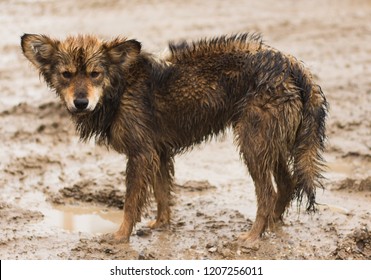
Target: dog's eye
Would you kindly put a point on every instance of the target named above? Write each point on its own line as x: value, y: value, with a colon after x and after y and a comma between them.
x: 94, y: 74
x: 67, y: 75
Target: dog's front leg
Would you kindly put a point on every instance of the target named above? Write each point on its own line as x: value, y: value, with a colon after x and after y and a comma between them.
x: 139, y: 176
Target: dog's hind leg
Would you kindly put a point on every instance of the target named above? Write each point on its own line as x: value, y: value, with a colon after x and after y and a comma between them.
x: 162, y: 191
x: 255, y: 136
x: 266, y: 198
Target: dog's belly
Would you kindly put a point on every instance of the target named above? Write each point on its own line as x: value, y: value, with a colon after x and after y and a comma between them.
x: 192, y: 126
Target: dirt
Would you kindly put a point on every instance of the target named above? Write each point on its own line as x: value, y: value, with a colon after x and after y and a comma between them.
x: 58, y: 195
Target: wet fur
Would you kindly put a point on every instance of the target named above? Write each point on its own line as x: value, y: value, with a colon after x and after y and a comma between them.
x: 154, y: 108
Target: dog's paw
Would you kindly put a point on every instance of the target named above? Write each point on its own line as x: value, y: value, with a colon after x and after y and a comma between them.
x: 248, y: 238
x: 155, y: 224
x: 249, y: 241
x: 113, y: 238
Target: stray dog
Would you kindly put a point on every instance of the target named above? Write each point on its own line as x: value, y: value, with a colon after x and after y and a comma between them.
x: 152, y: 108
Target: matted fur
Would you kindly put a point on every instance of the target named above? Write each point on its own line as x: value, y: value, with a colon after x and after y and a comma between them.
x: 152, y: 108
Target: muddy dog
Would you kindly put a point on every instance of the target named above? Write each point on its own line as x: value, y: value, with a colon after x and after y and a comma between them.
x: 152, y: 108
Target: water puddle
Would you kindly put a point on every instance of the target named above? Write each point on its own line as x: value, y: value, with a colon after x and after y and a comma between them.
x: 90, y: 219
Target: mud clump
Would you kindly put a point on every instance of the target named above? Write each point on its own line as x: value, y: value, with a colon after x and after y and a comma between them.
x: 349, y: 184
x: 87, y: 191
x: 355, y: 246
x: 13, y: 220
x: 365, y: 184
x: 196, y: 186
x: 10, y: 214
x: 106, y: 194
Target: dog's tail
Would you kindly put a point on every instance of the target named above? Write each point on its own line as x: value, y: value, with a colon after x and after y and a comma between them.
x: 308, y: 162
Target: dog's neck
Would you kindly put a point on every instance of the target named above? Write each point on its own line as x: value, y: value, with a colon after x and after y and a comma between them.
x: 97, y: 124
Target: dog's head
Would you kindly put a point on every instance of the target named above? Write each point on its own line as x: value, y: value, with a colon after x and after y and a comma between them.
x: 79, y: 68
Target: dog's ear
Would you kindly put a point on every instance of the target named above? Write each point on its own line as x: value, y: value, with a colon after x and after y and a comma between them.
x: 121, y: 50
x: 39, y: 49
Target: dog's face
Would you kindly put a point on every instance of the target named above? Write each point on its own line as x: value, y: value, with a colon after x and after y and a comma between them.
x: 78, y: 68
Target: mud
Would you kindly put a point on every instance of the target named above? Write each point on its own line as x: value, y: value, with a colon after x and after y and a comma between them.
x: 58, y: 196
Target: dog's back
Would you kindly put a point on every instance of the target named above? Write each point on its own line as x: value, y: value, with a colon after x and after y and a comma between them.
x: 208, y: 85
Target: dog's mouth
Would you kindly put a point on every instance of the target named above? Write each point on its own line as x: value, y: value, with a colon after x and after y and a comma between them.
x: 79, y: 112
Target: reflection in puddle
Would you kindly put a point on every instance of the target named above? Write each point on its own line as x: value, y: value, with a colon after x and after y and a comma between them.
x: 83, y: 219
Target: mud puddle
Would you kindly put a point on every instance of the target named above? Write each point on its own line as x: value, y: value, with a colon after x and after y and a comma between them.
x: 88, y: 219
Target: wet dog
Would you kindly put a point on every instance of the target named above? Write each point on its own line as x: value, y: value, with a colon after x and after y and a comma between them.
x: 152, y: 108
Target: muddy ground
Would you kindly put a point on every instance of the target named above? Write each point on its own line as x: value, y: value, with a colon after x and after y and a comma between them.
x: 57, y: 195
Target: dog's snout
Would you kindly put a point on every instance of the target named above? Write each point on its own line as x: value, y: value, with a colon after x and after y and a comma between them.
x: 81, y: 103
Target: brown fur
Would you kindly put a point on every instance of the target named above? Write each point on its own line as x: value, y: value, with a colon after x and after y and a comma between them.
x: 151, y: 109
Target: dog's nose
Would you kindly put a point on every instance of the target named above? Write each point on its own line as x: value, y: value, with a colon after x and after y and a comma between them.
x: 81, y: 103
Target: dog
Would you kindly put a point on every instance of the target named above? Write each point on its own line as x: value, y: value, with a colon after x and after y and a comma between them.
x: 152, y: 108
